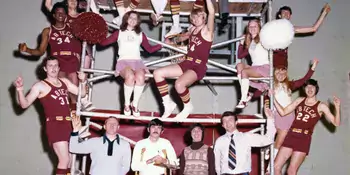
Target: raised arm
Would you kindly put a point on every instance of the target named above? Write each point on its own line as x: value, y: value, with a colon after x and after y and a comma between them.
x: 335, y: 120
x: 111, y: 39
x: 22, y: 47
x: 23, y: 100
x: 257, y: 140
x: 314, y: 28
x: 211, y: 17
x: 48, y: 5
x: 294, y: 85
x: 149, y: 48
x: 290, y: 108
x: 75, y: 146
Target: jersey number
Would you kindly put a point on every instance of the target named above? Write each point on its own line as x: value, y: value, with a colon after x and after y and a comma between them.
x: 64, y: 100
x: 305, y: 118
x: 192, y: 47
x: 67, y: 40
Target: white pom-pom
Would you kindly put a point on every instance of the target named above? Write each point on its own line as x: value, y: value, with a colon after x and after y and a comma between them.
x: 277, y: 34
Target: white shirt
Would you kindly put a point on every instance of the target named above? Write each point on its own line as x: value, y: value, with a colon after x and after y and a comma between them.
x: 243, y: 144
x: 258, y: 54
x: 151, y: 149
x: 129, y: 45
x: 282, y: 95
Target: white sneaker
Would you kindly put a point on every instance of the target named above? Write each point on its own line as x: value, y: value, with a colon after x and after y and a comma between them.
x: 127, y: 110
x: 173, y: 31
x: 186, y: 111
x: 156, y: 19
x: 87, y: 105
x: 241, y: 104
x: 117, y: 21
x: 249, y: 97
x: 135, y: 111
x: 169, y: 107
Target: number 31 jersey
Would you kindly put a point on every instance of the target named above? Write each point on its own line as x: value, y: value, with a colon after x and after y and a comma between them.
x: 56, y: 102
x: 63, y: 43
x: 306, y: 116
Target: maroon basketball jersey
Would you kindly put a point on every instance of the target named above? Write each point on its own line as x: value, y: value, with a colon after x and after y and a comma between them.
x: 198, y: 47
x: 306, y: 116
x: 70, y: 19
x: 63, y: 43
x: 56, y: 102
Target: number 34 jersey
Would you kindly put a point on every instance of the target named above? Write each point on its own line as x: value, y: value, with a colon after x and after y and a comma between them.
x: 56, y: 102
x: 306, y: 116
x: 63, y: 43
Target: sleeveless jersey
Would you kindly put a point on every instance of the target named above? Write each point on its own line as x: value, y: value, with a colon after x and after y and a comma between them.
x: 63, y: 43
x: 306, y: 117
x: 198, y: 48
x: 56, y: 102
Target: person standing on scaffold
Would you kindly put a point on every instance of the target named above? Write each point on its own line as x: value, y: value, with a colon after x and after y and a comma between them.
x: 130, y: 65
x: 193, y: 68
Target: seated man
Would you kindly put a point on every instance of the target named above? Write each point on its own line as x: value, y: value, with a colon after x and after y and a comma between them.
x: 149, y: 153
x: 110, y: 155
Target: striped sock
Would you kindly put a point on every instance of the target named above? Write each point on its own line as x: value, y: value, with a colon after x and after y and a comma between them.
x: 175, y: 7
x: 163, y: 88
x: 119, y: 3
x: 185, y: 96
x: 134, y: 4
x: 198, y: 4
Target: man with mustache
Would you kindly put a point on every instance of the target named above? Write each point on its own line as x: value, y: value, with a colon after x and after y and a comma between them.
x: 149, y: 153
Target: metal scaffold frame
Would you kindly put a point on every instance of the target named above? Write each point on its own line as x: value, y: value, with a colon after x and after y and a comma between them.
x: 230, y: 69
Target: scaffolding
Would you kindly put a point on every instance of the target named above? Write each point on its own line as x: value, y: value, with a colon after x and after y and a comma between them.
x: 238, y: 9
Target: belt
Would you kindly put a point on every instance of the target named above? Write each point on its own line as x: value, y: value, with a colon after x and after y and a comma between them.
x: 300, y: 131
x: 65, y: 53
x: 198, y: 61
x: 60, y: 118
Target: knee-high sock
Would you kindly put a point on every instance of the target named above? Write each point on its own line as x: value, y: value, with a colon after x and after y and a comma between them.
x: 134, y: 4
x: 185, y: 96
x: 119, y: 3
x: 175, y: 7
x: 239, y: 76
x: 163, y: 89
x: 127, y: 94
x: 244, y: 89
x: 137, y: 95
x: 198, y: 4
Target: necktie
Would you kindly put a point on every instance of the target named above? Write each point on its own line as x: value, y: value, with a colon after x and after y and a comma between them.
x: 232, y: 154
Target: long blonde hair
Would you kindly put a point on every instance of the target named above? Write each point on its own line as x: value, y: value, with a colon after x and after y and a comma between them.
x: 248, y: 38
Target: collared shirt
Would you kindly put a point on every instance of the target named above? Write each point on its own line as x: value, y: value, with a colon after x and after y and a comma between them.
x: 243, y: 144
x: 146, y: 149
x: 108, y: 157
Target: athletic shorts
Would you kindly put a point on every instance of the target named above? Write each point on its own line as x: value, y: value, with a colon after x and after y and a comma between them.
x: 57, y: 131
x: 194, y: 64
x: 298, y: 141
x: 68, y: 64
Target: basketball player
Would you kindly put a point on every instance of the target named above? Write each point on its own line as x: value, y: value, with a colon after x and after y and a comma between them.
x: 63, y: 45
x: 53, y: 95
x: 308, y: 111
x: 193, y: 68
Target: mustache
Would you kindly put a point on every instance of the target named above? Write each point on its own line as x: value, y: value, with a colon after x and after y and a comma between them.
x: 155, y: 132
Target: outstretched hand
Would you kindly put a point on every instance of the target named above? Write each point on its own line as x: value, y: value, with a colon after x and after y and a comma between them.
x: 18, y: 83
x: 22, y: 47
x: 76, y: 122
x: 336, y: 101
x: 314, y: 63
x: 326, y: 8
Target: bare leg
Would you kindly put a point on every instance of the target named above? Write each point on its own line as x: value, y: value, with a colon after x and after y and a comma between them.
x: 61, y: 150
x: 297, y: 159
x: 283, y: 155
x: 281, y: 135
x: 181, y: 84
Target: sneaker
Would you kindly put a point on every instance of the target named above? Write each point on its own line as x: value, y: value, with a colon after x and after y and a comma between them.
x: 169, y: 107
x: 186, y: 111
x: 117, y: 21
x: 135, y: 111
x: 86, y: 105
x: 173, y: 31
x: 156, y: 19
x: 127, y: 110
x: 241, y: 105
